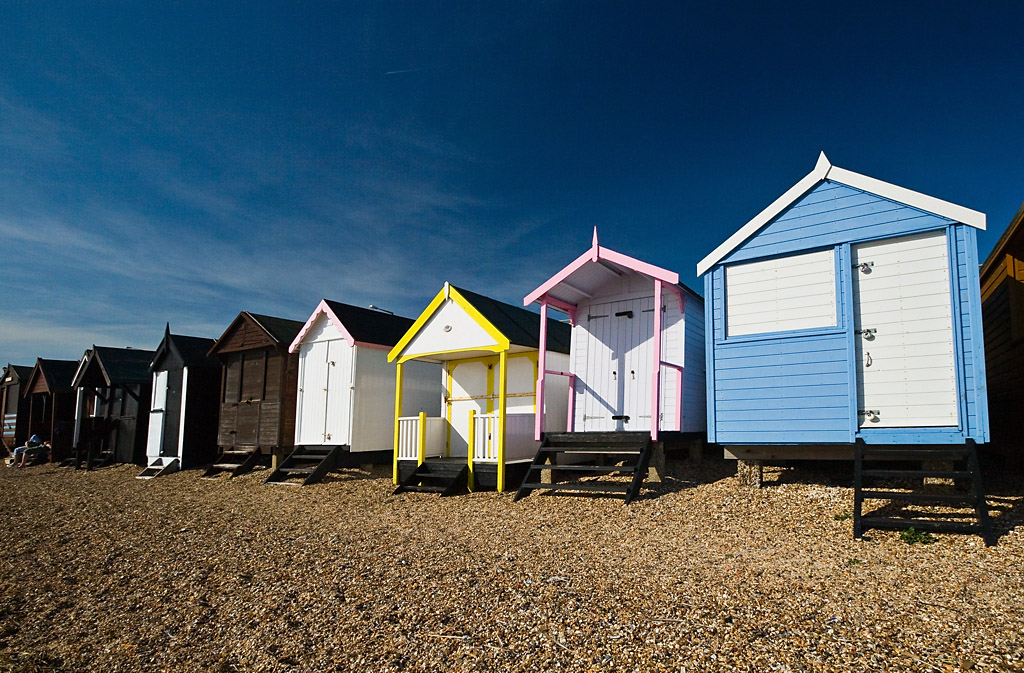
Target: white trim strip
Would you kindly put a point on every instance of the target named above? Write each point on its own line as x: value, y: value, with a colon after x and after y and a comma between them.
x: 824, y: 170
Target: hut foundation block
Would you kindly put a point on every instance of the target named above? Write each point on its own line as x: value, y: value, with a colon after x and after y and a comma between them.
x: 750, y: 472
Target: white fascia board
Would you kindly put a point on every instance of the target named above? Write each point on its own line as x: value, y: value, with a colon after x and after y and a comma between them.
x: 824, y: 170
x: 821, y: 169
x: 909, y: 197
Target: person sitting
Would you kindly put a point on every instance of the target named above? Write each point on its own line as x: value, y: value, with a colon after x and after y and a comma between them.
x: 31, y: 451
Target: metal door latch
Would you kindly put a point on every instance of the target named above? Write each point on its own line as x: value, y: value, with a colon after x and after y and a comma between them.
x: 624, y: 419
x: 868, y: 333
x: 869, y: 414
x: 865, y: 267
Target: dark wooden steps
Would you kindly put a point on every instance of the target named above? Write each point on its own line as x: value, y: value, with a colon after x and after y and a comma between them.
x: 969, y: 470
x: 596, y: 449
x: 235, y: 462
x: 306, y: 465
x: 444, y: 476
x: 159, y: 467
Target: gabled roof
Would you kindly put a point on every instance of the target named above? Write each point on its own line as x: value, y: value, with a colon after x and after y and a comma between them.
x: 506, y: 324
x: 118, y: 366
x: 591, y: 270
x: 279, y: 331
x: 358, y: 325
x: 823, y: 171
x: 20, y: 372
x: 522, y: 327
x: 1004, y: 241
x: 57, y: 374
x: 192, y: 351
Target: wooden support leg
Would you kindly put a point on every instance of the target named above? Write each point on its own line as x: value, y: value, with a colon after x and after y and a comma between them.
x: 696, y: 451
x: 750, y: 472
x: 656, y: 468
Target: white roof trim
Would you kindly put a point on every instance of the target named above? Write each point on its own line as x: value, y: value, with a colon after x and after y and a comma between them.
x: 824, y: 170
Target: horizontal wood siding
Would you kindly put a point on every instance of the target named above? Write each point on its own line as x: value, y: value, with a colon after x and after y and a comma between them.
x: 777, y: 295
x: 694, y: 366
x: 832, y: 214
x: 783, y: 390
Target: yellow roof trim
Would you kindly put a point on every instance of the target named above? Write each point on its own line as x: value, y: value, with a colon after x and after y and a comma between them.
x: 448, y: 292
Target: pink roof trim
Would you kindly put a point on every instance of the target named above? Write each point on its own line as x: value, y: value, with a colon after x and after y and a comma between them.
x: 593, y: 256
x: 321, y: 309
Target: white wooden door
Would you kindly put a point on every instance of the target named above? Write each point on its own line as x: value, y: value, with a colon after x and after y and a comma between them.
x: 338, y: 394
x: 312, y: 396
x: 615, y: 341
x: 155, y: 439
x: 470, y: 383
x: 904, y: 323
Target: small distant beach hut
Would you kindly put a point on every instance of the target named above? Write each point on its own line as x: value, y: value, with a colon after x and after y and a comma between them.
x: 1002, y: 300
x: 488, y: 352
x: 844, y: 321
x: 346, y: 391
x: 51, y: 399
x: 184, y: 405
x: 14, y: 405
x: 259, y: 381
x: 635, y: 373
x: 112, y: 408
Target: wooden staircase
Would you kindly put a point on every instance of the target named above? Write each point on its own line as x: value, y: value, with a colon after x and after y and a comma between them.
x: 306, y: 465
x: 236, y: 462
x: 444, y: 476
x: 159, y: 467
x: 965, y: 461
x: 602, y: 453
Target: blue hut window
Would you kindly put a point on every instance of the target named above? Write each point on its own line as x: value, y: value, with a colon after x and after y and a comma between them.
x: 780, y: 295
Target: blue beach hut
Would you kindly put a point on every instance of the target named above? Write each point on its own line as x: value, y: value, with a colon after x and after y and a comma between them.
x: 846, y: 318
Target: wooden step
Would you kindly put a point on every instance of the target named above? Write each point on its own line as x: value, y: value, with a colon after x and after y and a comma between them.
x: 576, y: 467
x: 574, y: 451
x: 918, y: 474
x: 928, y: 525
x: 296, y: 470
x: 943, y: 498
x: 596, y: 486
x: 875, y: 453
x: 414, y: 488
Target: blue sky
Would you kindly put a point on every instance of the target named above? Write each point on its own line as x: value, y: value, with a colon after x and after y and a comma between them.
x: 184, y: 163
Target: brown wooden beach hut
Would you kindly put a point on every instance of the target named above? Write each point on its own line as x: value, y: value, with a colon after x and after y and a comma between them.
x: 51, y: 400
x: 259, y: 383
x: 13, y: 405
x: 113, y: 386
x: 1002, y: 311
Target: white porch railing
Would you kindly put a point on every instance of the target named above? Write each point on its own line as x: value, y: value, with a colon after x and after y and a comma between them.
x: 519, y: 442
x: 409, y: 437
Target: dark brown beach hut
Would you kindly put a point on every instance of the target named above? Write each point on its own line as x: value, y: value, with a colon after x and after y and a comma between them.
x: 184, y: 401
x: 114, y: 393
x: 259, y: 383
x: 51, y: 400
x: 1002, y: 312
x: 13, y: 405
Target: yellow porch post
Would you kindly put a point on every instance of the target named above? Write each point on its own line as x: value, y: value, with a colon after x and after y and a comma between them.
x: 398, y: 413
x: 502, y: 393
x: 472, y: 445
x: 422, y: 439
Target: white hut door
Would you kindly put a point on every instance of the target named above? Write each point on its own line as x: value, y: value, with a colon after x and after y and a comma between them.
x: 155, y: 439
x: 616, y: 344
x: 904, y: 324
x: 338, y: 393
x: 313, y: 394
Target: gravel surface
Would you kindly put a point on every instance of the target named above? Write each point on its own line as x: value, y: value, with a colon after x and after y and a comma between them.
x: 103, y: 572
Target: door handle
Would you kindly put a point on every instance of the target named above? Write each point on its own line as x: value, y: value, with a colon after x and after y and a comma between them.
x: 868, y: 360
